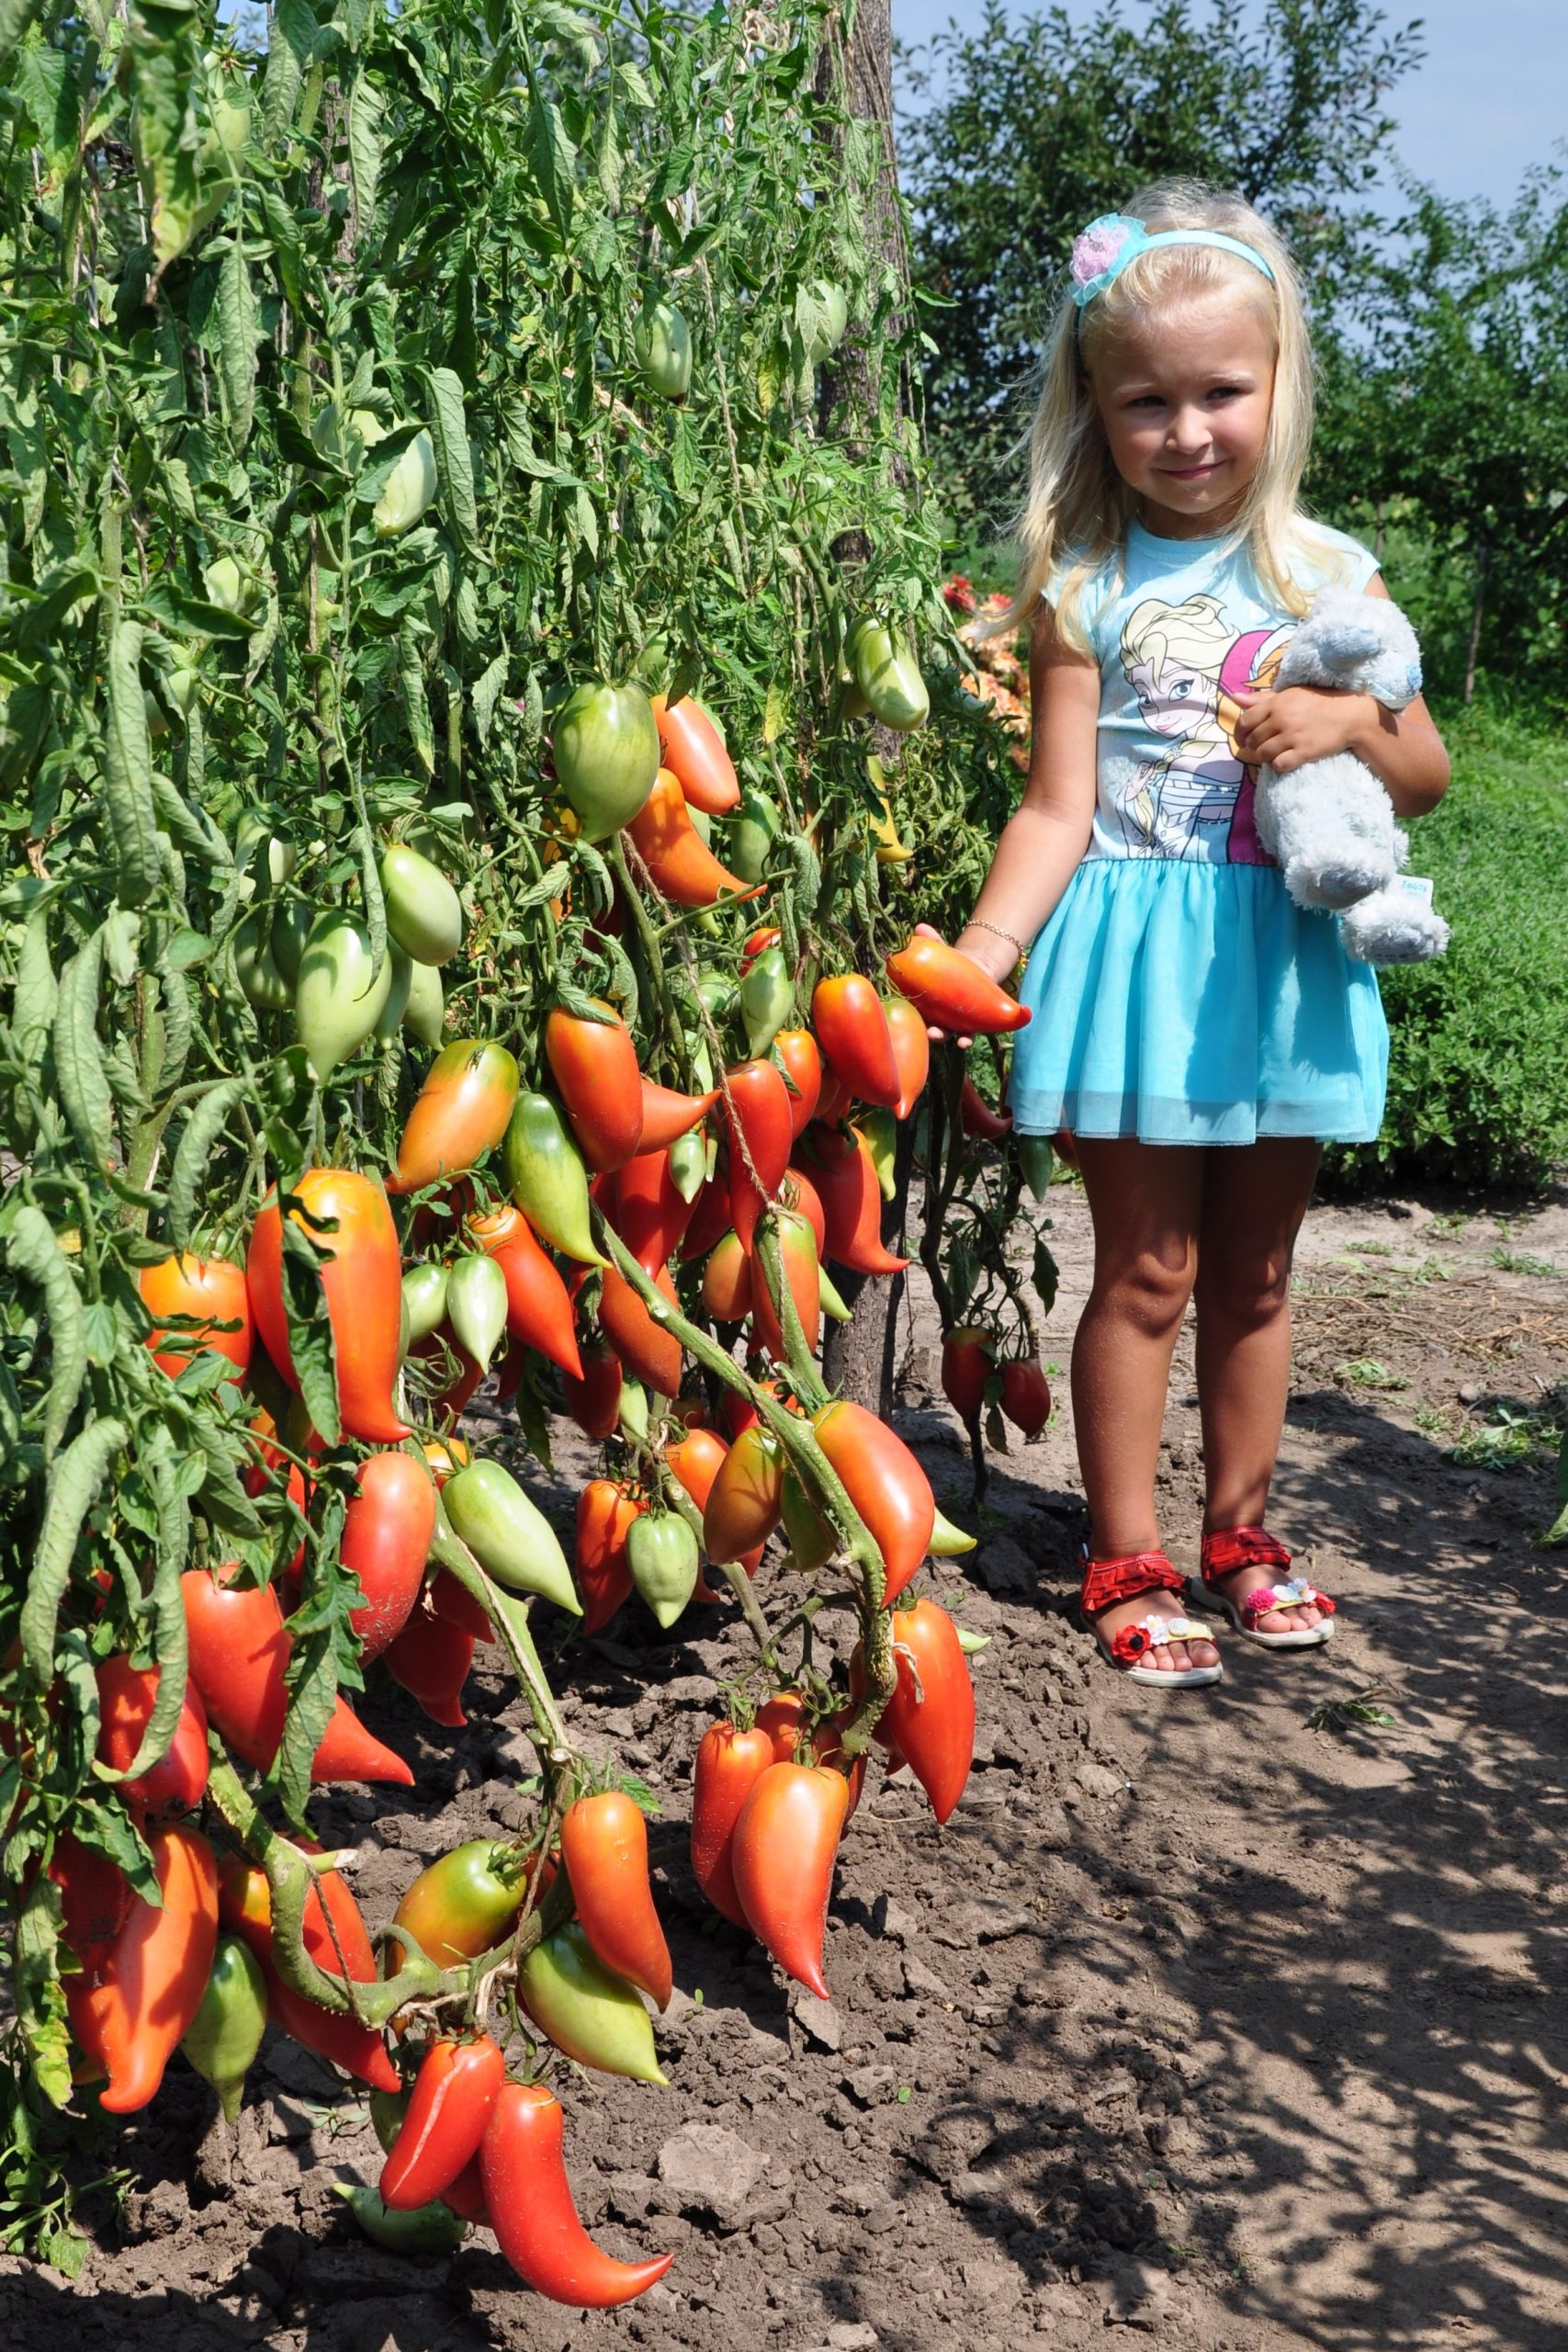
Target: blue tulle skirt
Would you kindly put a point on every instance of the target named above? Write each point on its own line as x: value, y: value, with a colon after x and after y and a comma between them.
x: 1187, y: 1003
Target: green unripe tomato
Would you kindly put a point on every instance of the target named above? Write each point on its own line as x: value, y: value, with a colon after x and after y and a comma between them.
x: 425, y: 914
x: 662, y: 1553
x: 229, y: 586
x: 425, y: 1011
x: 605, y: 744
x: 409, y: 488
x: 339, y: 997
x: 662, y: 340
x: 889, y: 678
x: 752, y: 834
x: 829, y: 334
x: 424, y: 1300
x: 256, y: 966
x: 292, y: 920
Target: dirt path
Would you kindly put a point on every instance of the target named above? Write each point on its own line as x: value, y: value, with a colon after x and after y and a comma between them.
x: 1197, y: 2018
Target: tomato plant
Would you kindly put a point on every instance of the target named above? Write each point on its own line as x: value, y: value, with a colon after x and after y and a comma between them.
x: 390, y: 481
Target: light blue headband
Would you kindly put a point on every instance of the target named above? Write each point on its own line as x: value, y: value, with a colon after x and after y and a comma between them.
x: 1103, y: 249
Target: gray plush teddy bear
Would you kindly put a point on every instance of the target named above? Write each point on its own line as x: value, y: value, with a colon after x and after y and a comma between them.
x: 1329, y: 825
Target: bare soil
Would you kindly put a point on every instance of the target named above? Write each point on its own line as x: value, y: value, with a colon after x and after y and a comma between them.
x: 1230, y: 2017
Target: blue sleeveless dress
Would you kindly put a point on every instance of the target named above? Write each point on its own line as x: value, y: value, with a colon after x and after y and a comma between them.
x: 1179, y: 994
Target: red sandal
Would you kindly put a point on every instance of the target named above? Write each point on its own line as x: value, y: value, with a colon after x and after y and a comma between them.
x: 1229, y: 1548
x: 1105, y: 1582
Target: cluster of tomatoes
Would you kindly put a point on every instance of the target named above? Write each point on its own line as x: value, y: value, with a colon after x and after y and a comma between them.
x: 552, y: 1235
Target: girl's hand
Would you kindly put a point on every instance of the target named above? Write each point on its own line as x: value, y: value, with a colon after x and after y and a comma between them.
x: 1286, y: 728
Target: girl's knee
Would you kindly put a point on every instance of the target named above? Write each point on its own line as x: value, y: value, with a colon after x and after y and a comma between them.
x: 1149, y: 1288
x: 1251, y: 1291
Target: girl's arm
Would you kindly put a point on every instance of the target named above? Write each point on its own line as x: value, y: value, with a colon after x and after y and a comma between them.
x: 1043, y: 842
x: 1402, y: 748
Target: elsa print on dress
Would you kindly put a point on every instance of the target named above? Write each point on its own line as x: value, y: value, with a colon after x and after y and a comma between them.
x: 1187, y: 665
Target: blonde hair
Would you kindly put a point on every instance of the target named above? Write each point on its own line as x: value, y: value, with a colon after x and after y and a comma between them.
x: 1078, y: 507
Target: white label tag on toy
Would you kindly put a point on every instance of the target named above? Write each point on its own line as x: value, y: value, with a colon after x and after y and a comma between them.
x: 1415, y: 886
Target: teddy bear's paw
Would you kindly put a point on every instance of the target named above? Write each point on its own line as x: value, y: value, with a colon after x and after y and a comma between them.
x: 1393, y: 926
x: 1343, y: 882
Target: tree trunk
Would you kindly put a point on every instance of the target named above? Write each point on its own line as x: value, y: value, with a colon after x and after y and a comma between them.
x: 1477, y: 606
x: 858, y: 1357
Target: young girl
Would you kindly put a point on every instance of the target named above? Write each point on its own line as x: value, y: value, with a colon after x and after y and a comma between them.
x: 1199, y: 1034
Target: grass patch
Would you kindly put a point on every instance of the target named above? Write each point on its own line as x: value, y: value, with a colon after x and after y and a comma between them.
x: 1478, y: 1082
x: 1509, y: 1440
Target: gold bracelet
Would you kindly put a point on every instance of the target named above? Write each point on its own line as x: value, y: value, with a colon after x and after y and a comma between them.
x: 976, y: 924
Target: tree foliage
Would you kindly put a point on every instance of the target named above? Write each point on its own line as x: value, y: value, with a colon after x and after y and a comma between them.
x: 1037, y: 124
x: 1447, y: 409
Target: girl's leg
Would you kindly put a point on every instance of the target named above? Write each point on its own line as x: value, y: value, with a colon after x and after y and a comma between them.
x: 1254, y: 1200
x: 1146, y: 1203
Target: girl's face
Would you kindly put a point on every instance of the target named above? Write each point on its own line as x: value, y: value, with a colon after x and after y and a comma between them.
x: 1184, y: 405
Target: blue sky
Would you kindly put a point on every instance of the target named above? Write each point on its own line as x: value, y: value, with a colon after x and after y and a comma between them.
x: 1492, y: 96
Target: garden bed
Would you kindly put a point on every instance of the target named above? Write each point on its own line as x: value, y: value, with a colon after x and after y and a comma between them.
x: 1237, y: 2017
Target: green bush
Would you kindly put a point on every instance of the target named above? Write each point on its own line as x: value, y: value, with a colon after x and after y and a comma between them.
x: 1478, y: 1087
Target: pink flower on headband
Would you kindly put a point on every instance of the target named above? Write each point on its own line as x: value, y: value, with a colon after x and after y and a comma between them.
x: 1097, y: 248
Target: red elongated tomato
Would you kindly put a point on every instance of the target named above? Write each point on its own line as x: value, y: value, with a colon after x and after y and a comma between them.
x: 680, y: 861
x: 756, y: 1118
x: 604, y: 1843
x: 948, y: 989
x: 745, y: 1499
x: 649, y: 1213
x: 911, y: 1051
x: 362, y: 1277
x: 797, y: 1254
x: 606, y: 1509
x: 783, y: 1848
x: 430, y: 1658
x: 726, y: 1281
x: 977, y: 1118
x: 594, y: 1065
x: 239, y: 1651
x: 667, y: 1115
x: 646, y: 1349
x: 528, y: 2197
x: 387, y: 1533
x: 852, y: 1029
x: 131, y: 2020
x: 800, y: 1192
x: 595, y: 1400
x: 127, y: 1695
x: 729, y: 1765
x: 95, y: 1900
x: 833, y: 1102
x: 886, y: 1483
x: 1026, y: 1395
x: 456, y: 1604
x: 796, y: 1049
x: 335, y: 1937
x: 930, y: 1719
x: 696, y: 1459
x: 454, y: 2098
x: 213, y: 1290
x: 694, y: 751
x: 710, y: 1220
x: 351, y: 1751
x: 784, y: 1719
x: 841, y: 1169
x: 968, y: 1360
x: 463, y: 1111
x: 538, y: 1307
